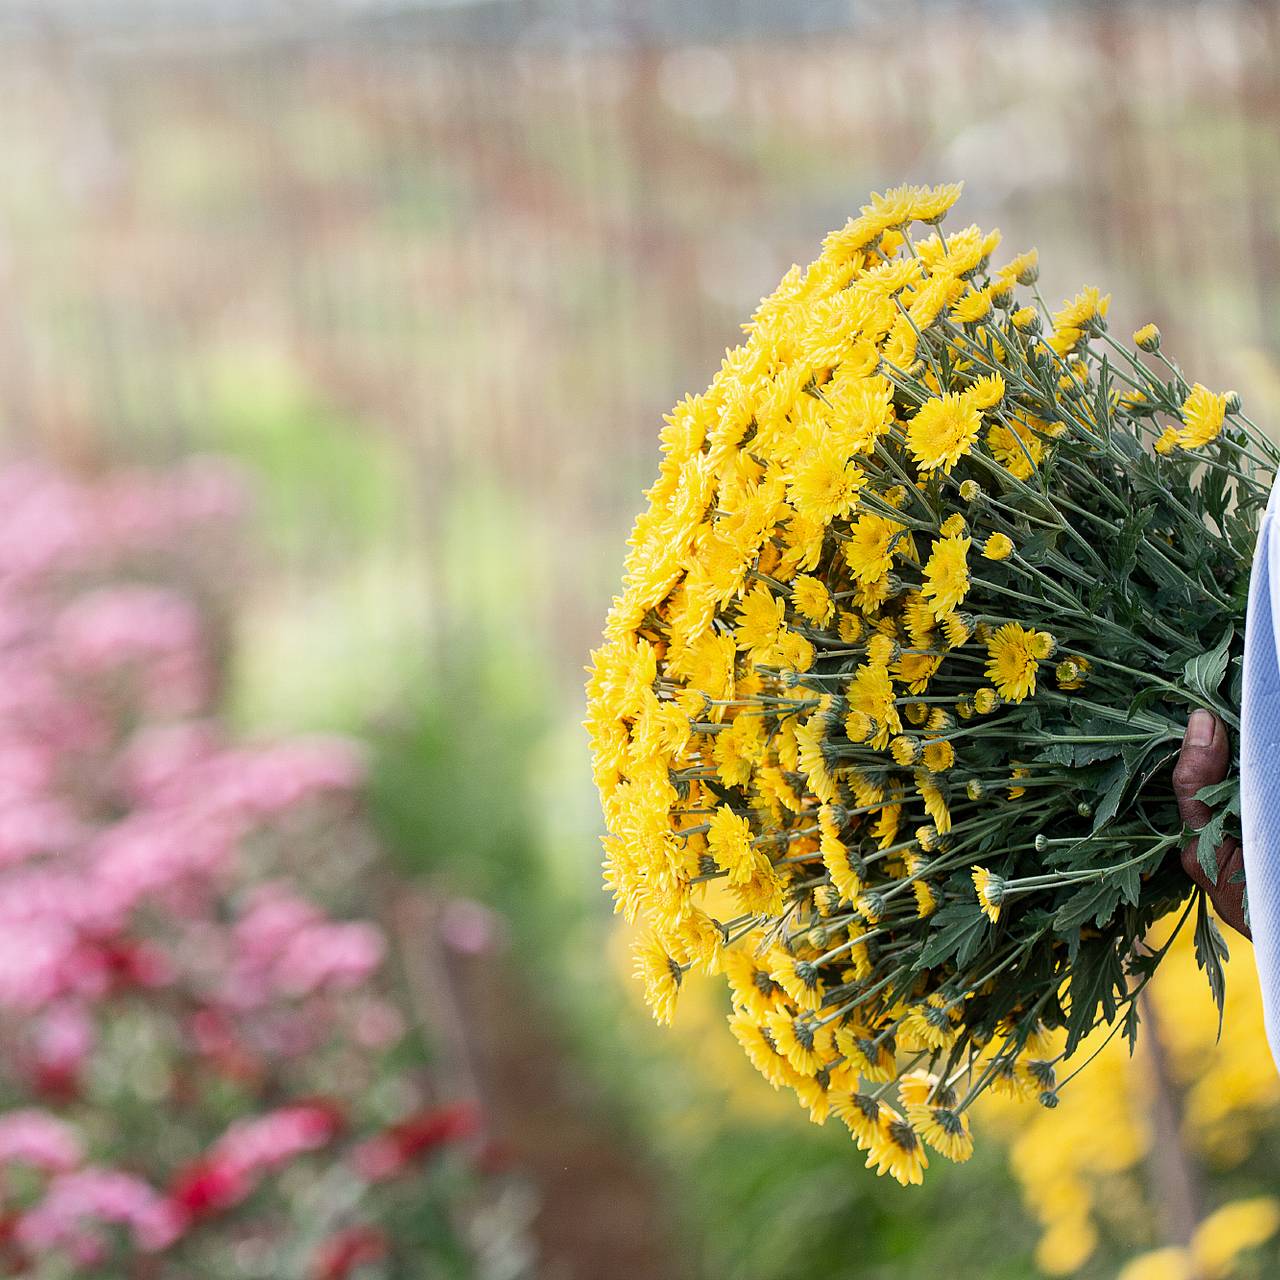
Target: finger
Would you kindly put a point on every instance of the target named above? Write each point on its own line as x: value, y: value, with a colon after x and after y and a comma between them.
x: 1202, y: 761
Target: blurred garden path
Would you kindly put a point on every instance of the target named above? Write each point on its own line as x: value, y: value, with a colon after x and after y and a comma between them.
x: 601, y: 1211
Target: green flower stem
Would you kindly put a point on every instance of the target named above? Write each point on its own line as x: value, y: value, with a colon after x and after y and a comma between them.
x: 1182, y: 693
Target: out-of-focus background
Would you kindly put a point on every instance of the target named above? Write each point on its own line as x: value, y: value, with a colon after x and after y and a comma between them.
x: 425, y: 277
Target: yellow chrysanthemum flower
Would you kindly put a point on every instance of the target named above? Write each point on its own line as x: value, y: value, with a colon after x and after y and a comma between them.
x: 896, y: 1150
x: 1016, y: 447
x: 861, y: 1113
x: 1014, y: 654
x: 974, y: 306
x: 1203, y: 413
x: 943, y: 430
x: 944, y: 1129
x: 754, y: 990
x: 926, y: 898
x: 800, y: 980
x: 999, y: 546
x: 660, y: 974
x: 990, y: 890
x: 946, y: 575
x: 869, y: 548
x: 825, y: 483
x: 1027, y: 319
x: 812, y: 599
x: 987, y: 391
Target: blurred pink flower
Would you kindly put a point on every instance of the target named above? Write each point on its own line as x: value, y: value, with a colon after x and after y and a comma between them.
x: 33, y: 1137
x: 75, y: 1202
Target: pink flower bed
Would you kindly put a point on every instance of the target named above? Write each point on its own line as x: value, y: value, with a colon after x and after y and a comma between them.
x: 197, y: 1047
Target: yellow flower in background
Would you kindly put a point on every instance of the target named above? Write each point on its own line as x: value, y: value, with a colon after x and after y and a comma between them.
x: 1172, y: 1263
x: 1232, y: 1230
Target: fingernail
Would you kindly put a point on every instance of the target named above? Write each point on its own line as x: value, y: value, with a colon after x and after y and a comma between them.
x: 1200, y: 729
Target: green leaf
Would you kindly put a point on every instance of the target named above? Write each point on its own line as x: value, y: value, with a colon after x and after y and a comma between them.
x: 1131, y: 1020
x: 1144, y: 699
x: 1131, y: 533
x: 1211, y: 952
x: 1115, y: 781
x: 1058, y: 753
x: 1203, y: 673
x: 958, y: 931
x: 1130, y: 881
x: 1096, y: 976
x: 1216, y: 792
x: 1096, y: 901
x: 1208, y: 839
x: 1210, y: 836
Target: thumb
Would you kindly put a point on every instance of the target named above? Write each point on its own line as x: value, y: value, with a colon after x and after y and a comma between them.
x: 1202, y: 761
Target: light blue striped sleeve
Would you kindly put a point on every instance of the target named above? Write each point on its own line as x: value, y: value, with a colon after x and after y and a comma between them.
x: 1260, y: 765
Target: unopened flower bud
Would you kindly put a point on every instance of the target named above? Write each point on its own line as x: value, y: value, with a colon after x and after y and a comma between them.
x: 1027, y: 319
x: 1147, y: 338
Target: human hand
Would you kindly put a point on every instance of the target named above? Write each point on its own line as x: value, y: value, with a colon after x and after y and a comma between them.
x: 1203, y: 761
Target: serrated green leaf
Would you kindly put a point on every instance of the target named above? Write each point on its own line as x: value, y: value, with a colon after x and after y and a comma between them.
x: 1131, y: 1020
x: 1114, y: 783
x: 1211, y: 952
x: 1096, y: 977
x: 1208, y: 838
x: 1203, y: 673
x: 957, y: 927
x: 1095, y: 901
x: 1219, y: 792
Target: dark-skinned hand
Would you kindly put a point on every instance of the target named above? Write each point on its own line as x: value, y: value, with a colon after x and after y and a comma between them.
x: 1203, y: 761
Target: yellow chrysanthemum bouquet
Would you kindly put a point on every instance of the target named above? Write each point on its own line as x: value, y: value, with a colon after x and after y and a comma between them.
x: 884, y: 718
